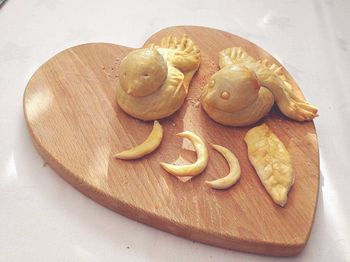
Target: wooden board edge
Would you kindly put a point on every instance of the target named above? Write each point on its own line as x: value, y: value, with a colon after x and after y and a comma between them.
x: 149, y: 219
x: 270, y: 249
x: 189, y: 27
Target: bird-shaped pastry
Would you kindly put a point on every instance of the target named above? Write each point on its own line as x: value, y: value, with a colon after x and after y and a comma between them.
x: 154, y: 81
x: 244, y: 90
x: 234, y: 97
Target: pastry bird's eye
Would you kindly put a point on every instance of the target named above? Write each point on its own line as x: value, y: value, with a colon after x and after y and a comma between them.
x: 225, y: 95
x: 212, y: 83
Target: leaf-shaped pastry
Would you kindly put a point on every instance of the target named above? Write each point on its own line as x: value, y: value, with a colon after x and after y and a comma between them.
x: 271, y: 161
x: 271, y: 77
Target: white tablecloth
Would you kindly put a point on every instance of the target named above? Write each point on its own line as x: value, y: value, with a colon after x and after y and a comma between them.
x: 42, y: 218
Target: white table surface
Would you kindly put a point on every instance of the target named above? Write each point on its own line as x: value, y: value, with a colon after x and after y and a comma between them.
x: 42, y: 218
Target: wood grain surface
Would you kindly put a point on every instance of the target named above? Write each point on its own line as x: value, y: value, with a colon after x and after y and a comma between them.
x: 76, y: 125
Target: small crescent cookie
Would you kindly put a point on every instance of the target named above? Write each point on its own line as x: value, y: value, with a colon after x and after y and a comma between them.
x: 148, y: 146
x: 192, y: 169
x: 235, y: 170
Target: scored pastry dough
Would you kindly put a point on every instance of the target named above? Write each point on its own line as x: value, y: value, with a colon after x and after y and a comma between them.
x: 154, y: 81
x: 272, y: 78
x: 271, y: 161
x: 244, y: 90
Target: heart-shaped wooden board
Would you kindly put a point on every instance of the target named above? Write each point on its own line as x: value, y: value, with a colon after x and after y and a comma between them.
x: 77, y: 126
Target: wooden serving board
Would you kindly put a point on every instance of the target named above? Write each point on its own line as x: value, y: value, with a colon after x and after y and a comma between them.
x: 76, y: 125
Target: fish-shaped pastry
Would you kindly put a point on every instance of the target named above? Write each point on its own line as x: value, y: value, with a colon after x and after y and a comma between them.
x: 154, y: 81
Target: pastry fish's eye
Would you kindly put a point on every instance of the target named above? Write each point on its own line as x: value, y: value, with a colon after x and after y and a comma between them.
x: 225, y: 95
x: 211, y: 83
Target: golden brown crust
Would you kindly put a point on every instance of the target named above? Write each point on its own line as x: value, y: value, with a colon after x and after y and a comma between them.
x: 154, y: 81
x: 151, y: 143
x: 142, y: 72
x: 271, y: 161
x: 233, y: 97
x: 247, y: 116
x: 271, y: 77
x: 181, y: 53
x: 195, y: 168
x: 162, y: 103
x: 235, y: 170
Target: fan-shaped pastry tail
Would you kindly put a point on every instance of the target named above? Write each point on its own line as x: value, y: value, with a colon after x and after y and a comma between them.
x: 182, y: 53
x: 272, y: 78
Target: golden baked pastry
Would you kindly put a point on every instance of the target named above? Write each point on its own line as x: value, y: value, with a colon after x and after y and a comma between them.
x: 234, y: 97
x: 148, y: 146
x: 244, y: 90
x: 271, y: 161
x: 271, y: 77
x: 235, y: 170
x: 195, y: 168
x: 154, y: 81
